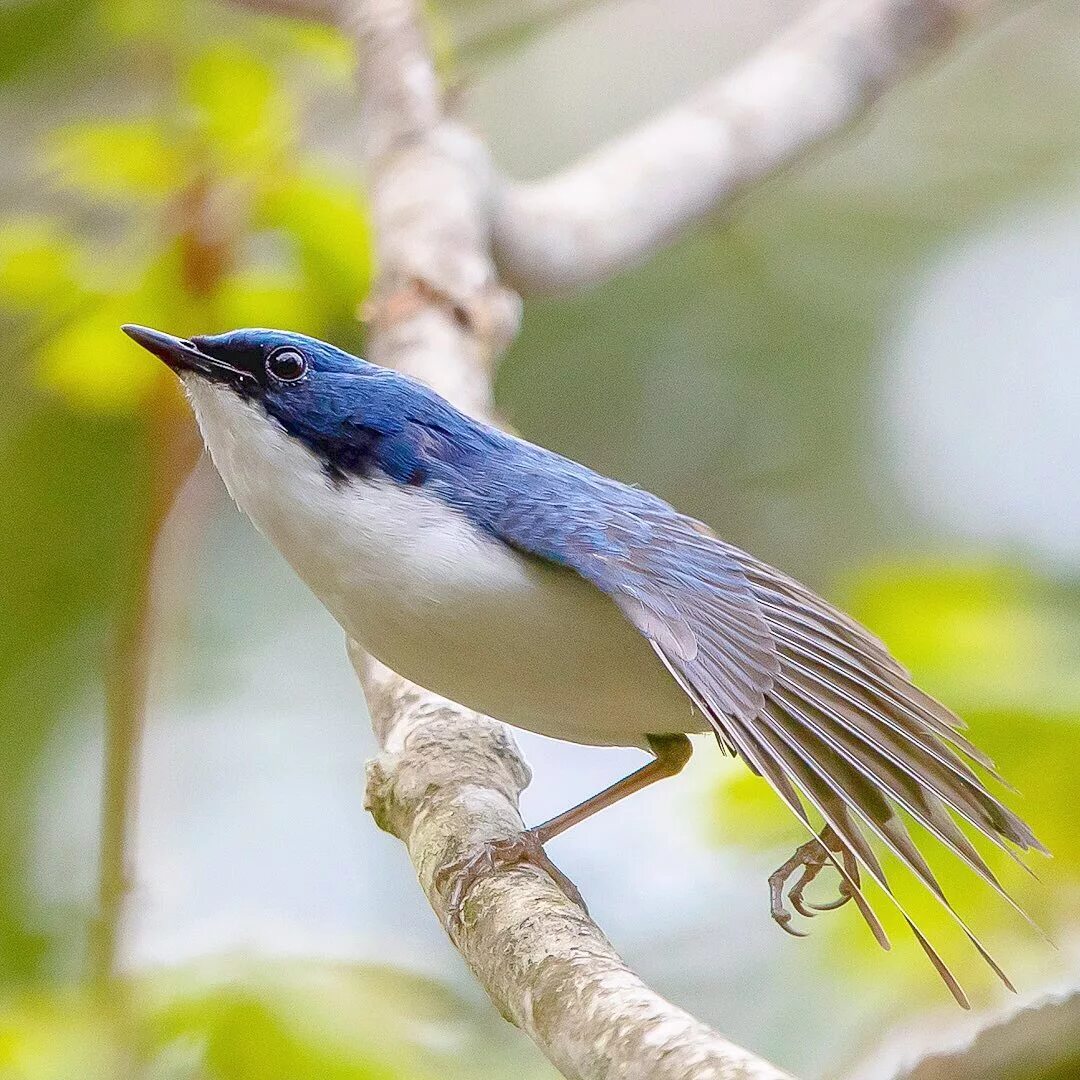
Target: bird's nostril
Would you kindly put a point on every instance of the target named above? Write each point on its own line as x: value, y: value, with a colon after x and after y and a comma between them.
x: 187, y: 343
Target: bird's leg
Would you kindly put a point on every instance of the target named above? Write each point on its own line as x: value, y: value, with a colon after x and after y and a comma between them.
x: 457, y: 878
x: 672, y: 753
x: 810, y: 858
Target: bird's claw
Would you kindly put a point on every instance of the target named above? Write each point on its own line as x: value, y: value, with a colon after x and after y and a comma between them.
x: 810, y: 858
x: 795, y: 893
x: 456, y: 879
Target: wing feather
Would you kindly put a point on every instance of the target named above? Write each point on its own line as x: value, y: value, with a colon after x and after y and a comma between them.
x: 694, y: 603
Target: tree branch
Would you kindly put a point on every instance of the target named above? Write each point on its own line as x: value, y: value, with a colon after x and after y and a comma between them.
x: 636, y: 194
x: 448, y: 779
x: 1039, y: 1040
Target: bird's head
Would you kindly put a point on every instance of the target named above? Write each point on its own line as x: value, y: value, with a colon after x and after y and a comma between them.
x: 251, y: 387
x: 274, y: 367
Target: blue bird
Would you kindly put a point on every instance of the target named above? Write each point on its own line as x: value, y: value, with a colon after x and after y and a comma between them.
x: 530, y: 588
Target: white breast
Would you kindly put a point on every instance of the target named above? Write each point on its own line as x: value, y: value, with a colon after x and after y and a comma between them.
x: 439, y: 602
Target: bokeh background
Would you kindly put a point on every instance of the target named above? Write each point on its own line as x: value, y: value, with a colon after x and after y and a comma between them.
x: 865, y: 372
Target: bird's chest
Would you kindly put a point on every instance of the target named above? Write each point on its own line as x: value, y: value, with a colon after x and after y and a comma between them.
x: 454, y: 611
x: 442, y: 603
x: 405, y: 575
x: 389, y: 561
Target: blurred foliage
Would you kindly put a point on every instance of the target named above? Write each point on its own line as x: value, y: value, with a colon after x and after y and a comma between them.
x: 175, y: 165
x: 35, y: 31
x: 237, y: 1019
x: 195, y: 206
x: 244, y: 225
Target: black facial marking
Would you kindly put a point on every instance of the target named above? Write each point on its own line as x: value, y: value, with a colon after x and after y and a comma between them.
x: 335, y: 477
x: 345, y: 460
x: 248, y: 358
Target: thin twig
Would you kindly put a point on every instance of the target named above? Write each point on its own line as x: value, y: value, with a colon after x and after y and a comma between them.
x: 171, y: 448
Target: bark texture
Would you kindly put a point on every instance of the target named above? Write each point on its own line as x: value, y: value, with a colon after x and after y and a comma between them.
x: 449, y: 779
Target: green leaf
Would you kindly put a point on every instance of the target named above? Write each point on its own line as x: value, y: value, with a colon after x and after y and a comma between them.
x: 94, y: 367
x: 306, y: 1021
x: 237, y: 109
x: 328, y: 222
x: 117, y: 161
x: 233, y: 1019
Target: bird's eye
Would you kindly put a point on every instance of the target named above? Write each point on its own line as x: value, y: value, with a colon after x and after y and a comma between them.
x: 286, y: 365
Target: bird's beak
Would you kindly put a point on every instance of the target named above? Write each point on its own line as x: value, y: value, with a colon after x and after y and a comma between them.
x: 179, y: 354
x: 184, y: 356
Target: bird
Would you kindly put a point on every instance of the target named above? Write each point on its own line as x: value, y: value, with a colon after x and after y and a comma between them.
x: 532, y: 589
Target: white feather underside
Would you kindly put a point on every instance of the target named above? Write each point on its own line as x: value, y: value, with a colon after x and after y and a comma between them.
x: 435, y: 599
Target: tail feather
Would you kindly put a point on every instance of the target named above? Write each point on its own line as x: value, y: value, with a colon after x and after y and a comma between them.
x: 917, y: 711
x: 754, y: 749
x: 822, y: 792
x: 919, y: 792
x: 844, y: 730
x: 876, y: 767
x: 891, y: 830
x: 891, y: 691
x: 748, y: 742
x: 858, y: 710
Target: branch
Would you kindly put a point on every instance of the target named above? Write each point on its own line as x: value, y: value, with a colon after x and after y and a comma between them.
x: 448, y: 779
x: 1038, y: 1040
x: 636, y: 194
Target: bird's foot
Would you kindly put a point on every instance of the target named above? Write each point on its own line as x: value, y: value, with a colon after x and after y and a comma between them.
x: 810, y: 858
x: 457, y: 878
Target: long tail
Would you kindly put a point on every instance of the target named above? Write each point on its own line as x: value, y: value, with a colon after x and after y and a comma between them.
x: 845, y: 730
